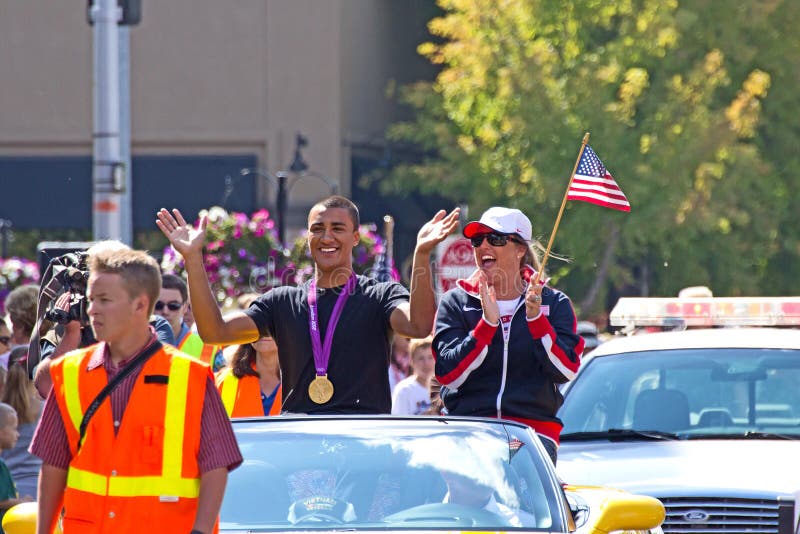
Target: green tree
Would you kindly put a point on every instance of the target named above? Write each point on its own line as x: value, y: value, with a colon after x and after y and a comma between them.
x: 675, y: 121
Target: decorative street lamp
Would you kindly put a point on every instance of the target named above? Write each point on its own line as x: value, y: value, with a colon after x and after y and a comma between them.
x: 285, y: 180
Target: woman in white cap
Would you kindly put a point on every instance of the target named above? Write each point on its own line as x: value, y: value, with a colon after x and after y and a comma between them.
x: 503, y: 343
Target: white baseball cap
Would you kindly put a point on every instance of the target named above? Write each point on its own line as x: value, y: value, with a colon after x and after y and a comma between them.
x: 500, y: 220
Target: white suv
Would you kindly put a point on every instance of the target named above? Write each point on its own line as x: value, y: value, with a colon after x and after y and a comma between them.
x: 707, y: 421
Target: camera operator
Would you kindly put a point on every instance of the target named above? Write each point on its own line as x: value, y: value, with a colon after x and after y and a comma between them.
x: 73, y: 331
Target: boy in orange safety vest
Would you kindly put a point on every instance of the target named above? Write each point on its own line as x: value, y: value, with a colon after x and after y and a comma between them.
x: 159, y: 441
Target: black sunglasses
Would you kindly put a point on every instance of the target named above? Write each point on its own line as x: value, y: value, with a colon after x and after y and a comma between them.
x: 496, y: 240
x: 173, y: 305
x: 5, y: 339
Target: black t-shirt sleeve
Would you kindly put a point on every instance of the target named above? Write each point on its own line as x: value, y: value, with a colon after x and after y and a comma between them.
x: 260, y: 311
x: 392, y: 294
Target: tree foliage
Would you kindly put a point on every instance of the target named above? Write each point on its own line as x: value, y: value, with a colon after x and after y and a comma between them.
x: 674, y: 97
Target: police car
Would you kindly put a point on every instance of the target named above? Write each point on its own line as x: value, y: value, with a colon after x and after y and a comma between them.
x: 706, y: 420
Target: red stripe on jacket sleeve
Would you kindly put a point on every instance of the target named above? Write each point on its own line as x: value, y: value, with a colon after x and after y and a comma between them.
x: 541, y: 327
x: 483, y: 334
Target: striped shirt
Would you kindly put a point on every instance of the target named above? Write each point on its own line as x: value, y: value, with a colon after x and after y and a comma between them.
x: 218, y: 447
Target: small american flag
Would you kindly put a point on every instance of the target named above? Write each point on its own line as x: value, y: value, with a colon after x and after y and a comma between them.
x: 593, y: 183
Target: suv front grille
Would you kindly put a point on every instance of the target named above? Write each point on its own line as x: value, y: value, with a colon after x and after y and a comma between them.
x: 712, y: 515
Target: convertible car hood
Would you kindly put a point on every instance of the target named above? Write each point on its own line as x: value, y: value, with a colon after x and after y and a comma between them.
x: 685, y: 468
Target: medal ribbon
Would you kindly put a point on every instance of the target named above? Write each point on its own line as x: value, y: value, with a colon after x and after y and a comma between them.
x: 322, y: 354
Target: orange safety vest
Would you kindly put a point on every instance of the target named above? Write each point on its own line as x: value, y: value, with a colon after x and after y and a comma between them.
x: 242, y: 396
x: 146, y: 476
x: 192, y: 345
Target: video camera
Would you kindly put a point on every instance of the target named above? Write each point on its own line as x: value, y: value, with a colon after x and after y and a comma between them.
x: 65, y: 269
x: 72, y: 273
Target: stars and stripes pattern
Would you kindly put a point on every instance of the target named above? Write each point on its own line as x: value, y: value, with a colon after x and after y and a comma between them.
x: 594, y: 184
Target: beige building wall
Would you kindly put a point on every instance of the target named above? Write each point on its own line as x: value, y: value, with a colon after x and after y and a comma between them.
x: 210, y: 77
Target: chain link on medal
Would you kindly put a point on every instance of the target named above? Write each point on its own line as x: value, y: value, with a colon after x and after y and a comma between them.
x: 320, y: 390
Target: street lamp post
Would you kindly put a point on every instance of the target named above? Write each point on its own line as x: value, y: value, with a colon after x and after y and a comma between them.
x: 285, y: 180
x: 5, y: 236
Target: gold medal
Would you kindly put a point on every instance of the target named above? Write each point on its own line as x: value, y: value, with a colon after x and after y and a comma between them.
x: 320, y: 390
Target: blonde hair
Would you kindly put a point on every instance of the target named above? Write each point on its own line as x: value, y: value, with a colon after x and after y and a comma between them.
x: 531, y: 257
x: 139, y: 271
x: 415, y: 344
x: 5, y: 411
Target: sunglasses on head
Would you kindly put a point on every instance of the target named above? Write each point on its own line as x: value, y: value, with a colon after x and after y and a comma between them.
x: 173, y: 305
x: 496, y: 240
x: 5, y: 339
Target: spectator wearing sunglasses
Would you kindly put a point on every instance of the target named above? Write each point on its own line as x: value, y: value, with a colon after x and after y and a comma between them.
x: 171, y: 305
x: 502, y: 342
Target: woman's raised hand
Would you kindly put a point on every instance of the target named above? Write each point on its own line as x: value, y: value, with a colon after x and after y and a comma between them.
x: 491, y: 311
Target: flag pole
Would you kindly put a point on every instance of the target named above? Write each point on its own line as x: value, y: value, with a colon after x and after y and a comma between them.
x: 561, y: 211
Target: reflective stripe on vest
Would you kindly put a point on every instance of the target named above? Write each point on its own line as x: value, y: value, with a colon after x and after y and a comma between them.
x: 170, y: 482
x: 241, y: 397
x: 228, y: 388
x: 193, y: 345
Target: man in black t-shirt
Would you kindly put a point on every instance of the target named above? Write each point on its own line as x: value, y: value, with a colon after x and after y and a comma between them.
x: 333, y: 332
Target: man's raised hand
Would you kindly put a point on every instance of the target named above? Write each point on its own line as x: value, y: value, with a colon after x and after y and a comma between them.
x: 183, y: 237
x: 436, y: 230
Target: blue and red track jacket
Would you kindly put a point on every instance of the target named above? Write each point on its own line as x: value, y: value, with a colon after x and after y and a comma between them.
x: 481, y: 375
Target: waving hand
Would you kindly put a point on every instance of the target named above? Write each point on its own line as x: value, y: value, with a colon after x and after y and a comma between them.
x: 183, y: 237
x: 434, y: 231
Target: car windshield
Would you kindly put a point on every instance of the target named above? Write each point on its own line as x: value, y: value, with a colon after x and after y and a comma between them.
x: 330, y: 474
x: 686, y: 394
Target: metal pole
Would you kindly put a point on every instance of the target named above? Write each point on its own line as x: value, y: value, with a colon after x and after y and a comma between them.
x: 126, y: 201
x: 5, y: 230
x: 281, y: 202
x: 106, y: 198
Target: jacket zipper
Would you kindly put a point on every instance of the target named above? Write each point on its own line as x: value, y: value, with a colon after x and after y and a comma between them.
x: 499, y: 400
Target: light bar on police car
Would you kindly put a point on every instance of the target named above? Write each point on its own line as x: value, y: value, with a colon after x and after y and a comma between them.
x: 708, y: 312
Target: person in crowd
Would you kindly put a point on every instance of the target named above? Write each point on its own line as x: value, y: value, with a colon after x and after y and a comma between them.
x: 159, y: 440
x: 21, y: 307
x: 8, y: 438
x: 412, y: 396
x: 5, y: 342
x: 333, y: 331
x: 505, y: 339
x: 243, y: 302
x: 399, y: 361
x: 20, y: 394
x: 251, y: 386
x: 171, y: 305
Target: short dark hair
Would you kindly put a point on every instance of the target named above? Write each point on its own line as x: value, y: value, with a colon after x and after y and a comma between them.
x: 173, y: 281
x: 337, y: 201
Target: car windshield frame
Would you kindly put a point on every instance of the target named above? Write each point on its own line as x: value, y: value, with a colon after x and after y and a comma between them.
x: 390, y: 473
x: 687, y: 393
